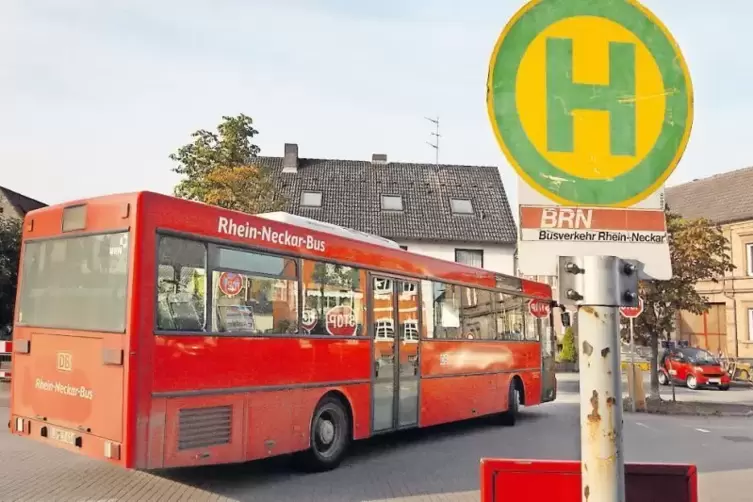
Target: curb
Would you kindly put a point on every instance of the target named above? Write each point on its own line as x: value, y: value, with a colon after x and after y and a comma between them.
x: 690, y: 409
x: 723, y: 414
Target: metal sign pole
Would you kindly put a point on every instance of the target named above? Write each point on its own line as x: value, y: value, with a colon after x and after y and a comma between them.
x: 634, y: 384
x: 600, y: 285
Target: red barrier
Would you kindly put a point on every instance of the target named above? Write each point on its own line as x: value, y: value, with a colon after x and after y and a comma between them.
x: 6, y: 350
x: 504, y: 480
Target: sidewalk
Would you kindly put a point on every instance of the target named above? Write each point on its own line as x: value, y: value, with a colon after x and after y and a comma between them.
x: 725, y: 486
x: 739, y: 393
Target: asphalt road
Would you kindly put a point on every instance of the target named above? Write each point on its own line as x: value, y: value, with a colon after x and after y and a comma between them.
x: 438, y: 464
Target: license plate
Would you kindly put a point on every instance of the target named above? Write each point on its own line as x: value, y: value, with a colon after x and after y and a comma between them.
x: 67, y: 437
x: 715, y: 380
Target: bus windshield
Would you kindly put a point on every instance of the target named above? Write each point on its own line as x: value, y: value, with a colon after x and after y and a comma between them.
x: 75, y: 283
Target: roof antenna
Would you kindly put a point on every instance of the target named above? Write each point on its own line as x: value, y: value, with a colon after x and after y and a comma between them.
x: 436, y: 134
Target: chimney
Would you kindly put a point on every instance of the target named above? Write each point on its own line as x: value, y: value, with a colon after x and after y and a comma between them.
x: 290, y: 160
x: 379, y: 158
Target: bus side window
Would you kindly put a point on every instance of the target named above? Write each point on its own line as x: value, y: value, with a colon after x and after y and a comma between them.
x: 181, y: 285
x: 532, y: 327
x: 254, y: 293
x: 446, y: 307
x: 510, y: 317
x: 334, y: 292
x: 477, y: 314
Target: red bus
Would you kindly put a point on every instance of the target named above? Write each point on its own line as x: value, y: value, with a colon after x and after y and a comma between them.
x: 155, y: 332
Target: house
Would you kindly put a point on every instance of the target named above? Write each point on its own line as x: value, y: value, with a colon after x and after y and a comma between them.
x: 457, y: 213
x: 15, y: 205
x: 727, y: 200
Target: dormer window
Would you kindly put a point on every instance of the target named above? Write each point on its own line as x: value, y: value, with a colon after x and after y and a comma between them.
x: 311, y: 199
x: 461, y: 206
x: 392, y: 203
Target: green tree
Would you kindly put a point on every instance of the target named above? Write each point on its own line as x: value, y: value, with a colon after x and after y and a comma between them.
x: 242, y: 188
x: 218, y: 168
x: 569, y: 353
x: 10, y: 250
x: 699, y: 251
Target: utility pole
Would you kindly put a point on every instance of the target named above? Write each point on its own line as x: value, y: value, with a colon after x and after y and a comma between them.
x: 436, y: 134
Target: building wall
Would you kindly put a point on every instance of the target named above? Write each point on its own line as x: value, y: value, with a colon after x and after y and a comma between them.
x: 498, y: 258
x: 735, y: 291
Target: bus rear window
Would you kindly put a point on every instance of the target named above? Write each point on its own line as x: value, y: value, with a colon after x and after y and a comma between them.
x: 75, y: 283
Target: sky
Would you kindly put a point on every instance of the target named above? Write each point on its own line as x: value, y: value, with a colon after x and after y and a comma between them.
x: 94, y: 95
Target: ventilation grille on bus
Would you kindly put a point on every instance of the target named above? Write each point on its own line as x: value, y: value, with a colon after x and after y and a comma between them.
x: 202, y: 427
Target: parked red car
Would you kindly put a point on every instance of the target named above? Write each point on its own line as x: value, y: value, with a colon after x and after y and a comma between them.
x: 693, y: 367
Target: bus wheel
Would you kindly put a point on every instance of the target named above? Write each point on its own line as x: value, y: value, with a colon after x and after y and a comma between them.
x: 513, y: 405
x: 329, y: 437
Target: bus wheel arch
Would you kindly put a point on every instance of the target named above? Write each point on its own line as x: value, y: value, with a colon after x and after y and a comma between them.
x: 515, y: 398
x: 520, y: 387
x: 345, y: 402
x: 330, y: 433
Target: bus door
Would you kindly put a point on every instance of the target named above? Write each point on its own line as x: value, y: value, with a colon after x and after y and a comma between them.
x: 394, y: 316
x: 548, y: 348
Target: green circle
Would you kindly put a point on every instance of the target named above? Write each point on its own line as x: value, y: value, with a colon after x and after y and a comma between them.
x: 664, y: 155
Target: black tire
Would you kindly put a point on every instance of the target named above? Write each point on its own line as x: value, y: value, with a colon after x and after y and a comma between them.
x: 663, y: 378
x: 509, y: 417
x: 724, y: 387
x: 330, y: 436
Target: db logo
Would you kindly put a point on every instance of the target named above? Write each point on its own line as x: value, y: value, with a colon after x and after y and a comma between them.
x: 65, y: 361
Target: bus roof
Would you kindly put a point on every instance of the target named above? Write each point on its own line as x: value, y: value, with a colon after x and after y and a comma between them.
x: 331, y: 228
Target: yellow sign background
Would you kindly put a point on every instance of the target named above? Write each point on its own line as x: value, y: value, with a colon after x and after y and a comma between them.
x: 591, y: 157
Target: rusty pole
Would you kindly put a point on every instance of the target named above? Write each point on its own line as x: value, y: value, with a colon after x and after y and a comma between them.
x: 599, y: 285
x: 602, y: 457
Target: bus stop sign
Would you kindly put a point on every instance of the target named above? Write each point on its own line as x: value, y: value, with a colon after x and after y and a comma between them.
x: 591, y: 102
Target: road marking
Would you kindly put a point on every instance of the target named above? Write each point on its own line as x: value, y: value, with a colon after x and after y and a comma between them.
x: 703, y: 430
x: 642, y: 425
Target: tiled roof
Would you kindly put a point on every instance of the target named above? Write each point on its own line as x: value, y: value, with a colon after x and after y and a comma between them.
x: 21, y: 203
x: 351, y: 197
x: 722, y: 198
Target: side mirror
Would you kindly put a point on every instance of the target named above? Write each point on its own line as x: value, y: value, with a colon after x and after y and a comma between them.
x: 565, y: 316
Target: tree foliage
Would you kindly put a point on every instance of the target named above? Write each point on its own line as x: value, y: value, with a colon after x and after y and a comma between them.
x: 10, y: 250
x: 218, y: 168
x: 699, y: 252
x: 569, y: 353
x: 242, y: 188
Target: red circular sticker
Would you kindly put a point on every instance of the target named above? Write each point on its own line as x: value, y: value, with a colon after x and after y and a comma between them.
x: 310, y: 316
x: 340, y: 321
x: 230, y: 283
x: 538, y: 308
